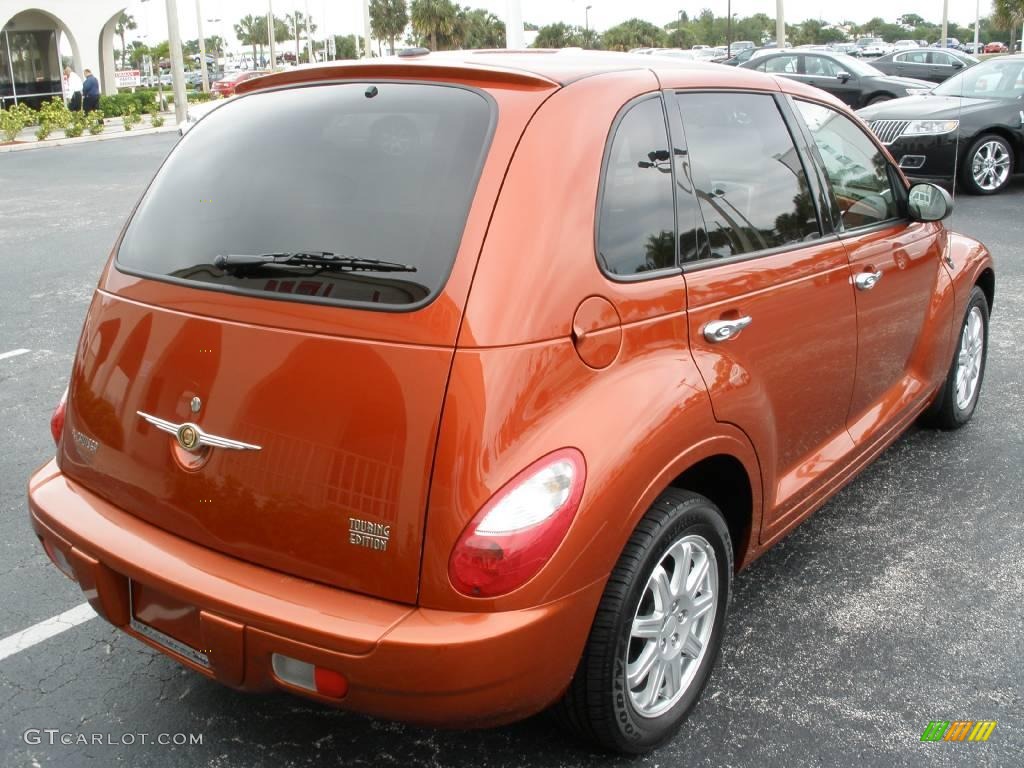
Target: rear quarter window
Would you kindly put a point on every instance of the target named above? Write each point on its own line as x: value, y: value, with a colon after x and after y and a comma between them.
x: 384, y: 171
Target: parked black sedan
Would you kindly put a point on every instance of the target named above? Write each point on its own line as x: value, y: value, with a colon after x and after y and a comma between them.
x: 972, y: 125
x: 924, y: 64
x: 853, y: 81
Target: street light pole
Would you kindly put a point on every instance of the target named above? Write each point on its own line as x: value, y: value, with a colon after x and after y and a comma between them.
x: 514, y: 24
x: 977, y: 23
x: 586, y: 21
x: 270, y: 35
x: 177, y: 64
x: 945, y: 23
x: 728, y: 30
x: 368, y: 49
x: 202, y: 48
x: 780, y: 25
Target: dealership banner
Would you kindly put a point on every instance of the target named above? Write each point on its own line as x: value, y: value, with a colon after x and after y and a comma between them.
x: 128, y: 78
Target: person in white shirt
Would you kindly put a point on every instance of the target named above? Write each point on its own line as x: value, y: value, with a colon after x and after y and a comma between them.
x: 72, y: 89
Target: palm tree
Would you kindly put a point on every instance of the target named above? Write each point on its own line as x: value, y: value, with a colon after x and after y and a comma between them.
x: 483, y: 30
x: 433, y: 19
x: 388, y: 19
x: 247, y: 30
x: 1010, y: 13
x: 296, y: 21
x: 124, y: 24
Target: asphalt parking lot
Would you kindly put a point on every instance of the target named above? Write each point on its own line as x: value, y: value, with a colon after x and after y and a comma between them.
x: 900, y: 602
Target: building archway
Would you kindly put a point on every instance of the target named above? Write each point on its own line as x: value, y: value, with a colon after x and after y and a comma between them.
x: 30, y: 60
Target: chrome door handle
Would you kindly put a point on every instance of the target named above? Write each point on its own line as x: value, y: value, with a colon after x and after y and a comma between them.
x: 723, y: 330
x: 865, y: 281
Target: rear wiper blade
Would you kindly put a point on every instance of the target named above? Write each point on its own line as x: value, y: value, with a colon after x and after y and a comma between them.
x: 318, y: 259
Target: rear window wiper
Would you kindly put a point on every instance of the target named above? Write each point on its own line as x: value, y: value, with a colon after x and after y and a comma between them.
x: 317, y: 259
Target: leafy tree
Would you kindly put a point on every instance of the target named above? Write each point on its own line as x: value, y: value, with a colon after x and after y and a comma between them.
x: 296, y: 22
x: 388, y: 19
x: 348, y: 46
x: 556, y: 35
x: 911, y: 20
x: 481, y: 29
x: 634, y: 33
x: 433, y: 19
x: 248, y: 32
x: 125, y: 23
x: 1008, y: 14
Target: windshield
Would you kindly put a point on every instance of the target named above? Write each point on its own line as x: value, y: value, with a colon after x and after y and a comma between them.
x: 380, y: 172
x: 993, y: 79
x: 855, y: 67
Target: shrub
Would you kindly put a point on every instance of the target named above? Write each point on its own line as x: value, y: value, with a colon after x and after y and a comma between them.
x: 95, y: 120
x: 14, y: 119
x: 76, y: 125
x: 43, y: 131
x: 117, y: 104
x: 155, y: 118
x: 131, y: 117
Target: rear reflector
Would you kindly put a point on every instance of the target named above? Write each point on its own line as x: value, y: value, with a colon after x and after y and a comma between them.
x: 326, y: 682
x: 57, y: 419
x: 59, y: 559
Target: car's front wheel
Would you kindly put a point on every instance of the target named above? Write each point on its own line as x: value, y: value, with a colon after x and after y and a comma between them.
x: 988, y: 165
x: 658, y: 629
x: 958, y: 397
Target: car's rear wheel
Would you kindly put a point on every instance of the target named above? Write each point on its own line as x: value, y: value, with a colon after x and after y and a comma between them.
x: 658, y: 629
x: 988, y: 165
x: 958, y: 396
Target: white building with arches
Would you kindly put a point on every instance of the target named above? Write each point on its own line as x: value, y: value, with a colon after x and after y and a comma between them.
x: 32, y: 33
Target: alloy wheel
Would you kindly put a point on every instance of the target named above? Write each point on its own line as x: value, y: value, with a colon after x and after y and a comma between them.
x: 671, y: 629
x: 969, y: 359
x: 990, y: 166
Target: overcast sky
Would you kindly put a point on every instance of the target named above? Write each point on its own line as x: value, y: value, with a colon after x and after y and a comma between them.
x: 345, y: 16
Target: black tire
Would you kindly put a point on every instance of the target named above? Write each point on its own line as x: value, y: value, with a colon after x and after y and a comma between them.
x: 880, y: 98
x: 944, y: 412
x: 967, y: 167
x: 597, y: 706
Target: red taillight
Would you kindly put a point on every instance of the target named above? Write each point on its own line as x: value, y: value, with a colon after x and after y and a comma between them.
x: 518, y: 530
x: 57, y: 420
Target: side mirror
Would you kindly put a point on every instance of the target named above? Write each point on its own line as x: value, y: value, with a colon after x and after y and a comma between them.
x: 958, y: 65
x: 928, y: 202
x: 842, y: 77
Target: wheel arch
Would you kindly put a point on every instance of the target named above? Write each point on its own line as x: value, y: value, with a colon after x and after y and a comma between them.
x: 987, y: 282
x: 1003, y: 133
x: 724, y: 480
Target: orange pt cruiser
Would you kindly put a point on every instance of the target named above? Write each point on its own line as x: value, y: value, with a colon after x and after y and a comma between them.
x: 450, y: 388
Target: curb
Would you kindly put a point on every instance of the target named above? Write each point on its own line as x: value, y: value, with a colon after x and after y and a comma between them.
x: 88, y: 139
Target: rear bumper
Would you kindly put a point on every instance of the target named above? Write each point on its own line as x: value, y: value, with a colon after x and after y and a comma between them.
x: 442, y: 668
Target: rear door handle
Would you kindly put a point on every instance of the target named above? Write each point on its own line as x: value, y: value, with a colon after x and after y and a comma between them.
x: 865, y: 281
x: 723, y: 330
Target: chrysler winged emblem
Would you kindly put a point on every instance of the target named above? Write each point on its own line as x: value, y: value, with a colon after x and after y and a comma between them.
x: 191, y: 437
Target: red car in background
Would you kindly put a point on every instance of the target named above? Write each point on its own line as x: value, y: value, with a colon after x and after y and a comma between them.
x: 226, y: 85
x: 995, y: 48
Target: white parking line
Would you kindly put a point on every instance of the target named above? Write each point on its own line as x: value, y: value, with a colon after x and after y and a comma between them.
x: 44, y: 630
x: 13, y: 353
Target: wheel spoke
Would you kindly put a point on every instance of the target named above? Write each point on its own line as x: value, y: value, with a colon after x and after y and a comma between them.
x: 654, y: 681
x: 648, y: 627
x: 696, y: 579
x: 673, y: 676
x: 662, y: 588
x: 692, y: 645
x: 682, y: 555
x: 639, y: 669
x: 702, y: 605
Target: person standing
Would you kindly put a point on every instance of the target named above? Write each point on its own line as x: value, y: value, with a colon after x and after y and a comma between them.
x: 72, y: 89
x: 90, y: 91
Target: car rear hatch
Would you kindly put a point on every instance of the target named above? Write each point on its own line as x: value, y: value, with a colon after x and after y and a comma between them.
x: 286, y: 413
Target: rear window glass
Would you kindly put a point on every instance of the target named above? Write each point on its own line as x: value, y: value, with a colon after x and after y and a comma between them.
x: 383, y: 172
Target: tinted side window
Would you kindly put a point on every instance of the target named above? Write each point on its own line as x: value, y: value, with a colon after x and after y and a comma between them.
x: 748, y: 176
x: 636, y: 224
x: 784, y: 65
x: 856, y: 170
x: 914, y: 57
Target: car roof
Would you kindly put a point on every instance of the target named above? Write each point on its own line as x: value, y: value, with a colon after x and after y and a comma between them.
x: 540, y: 68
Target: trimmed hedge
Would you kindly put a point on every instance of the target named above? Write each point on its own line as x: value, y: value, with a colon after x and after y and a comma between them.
x: 116, y: 105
